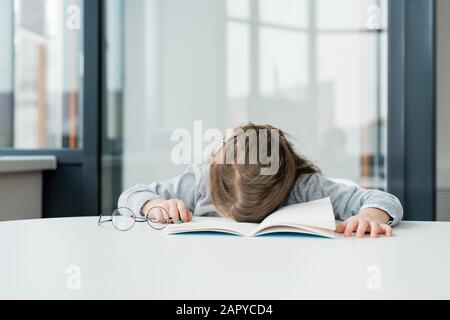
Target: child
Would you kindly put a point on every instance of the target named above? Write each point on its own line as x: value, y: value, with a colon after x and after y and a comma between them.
x: 240, y: 191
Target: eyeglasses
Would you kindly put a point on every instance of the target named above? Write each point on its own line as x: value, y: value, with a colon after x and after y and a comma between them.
x: 123, y: 219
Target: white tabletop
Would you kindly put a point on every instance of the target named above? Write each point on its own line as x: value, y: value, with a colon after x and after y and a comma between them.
x: 76, y: 259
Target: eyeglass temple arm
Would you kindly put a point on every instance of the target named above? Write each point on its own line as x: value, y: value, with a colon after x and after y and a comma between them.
x: 138, y: 219
x: 100, y: 220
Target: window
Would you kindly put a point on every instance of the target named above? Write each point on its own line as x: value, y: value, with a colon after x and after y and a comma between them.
x: 319, y: 70
x: 314, y: 68
x: 41, y: 64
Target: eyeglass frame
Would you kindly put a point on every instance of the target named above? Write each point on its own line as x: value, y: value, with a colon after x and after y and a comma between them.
x: 137, y: 219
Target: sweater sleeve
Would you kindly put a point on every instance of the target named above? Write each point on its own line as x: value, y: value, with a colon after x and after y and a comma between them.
x: 182, y: 187
x: 347, y: 200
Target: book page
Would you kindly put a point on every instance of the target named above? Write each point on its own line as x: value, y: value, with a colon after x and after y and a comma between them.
x: 316, y: 214
x: 213, y: 224
x: 297, y: 229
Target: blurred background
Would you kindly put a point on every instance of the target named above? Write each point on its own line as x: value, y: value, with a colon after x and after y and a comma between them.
x: 318, y: 69
x: 311, y: 68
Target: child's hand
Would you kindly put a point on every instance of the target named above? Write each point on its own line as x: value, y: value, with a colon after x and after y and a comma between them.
x: 370, y: 220
x: 177, y: 209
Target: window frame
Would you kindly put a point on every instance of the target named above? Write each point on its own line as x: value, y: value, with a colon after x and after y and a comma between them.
x: 79, y: 165
x: 412, y: 107
x: 411, y: 158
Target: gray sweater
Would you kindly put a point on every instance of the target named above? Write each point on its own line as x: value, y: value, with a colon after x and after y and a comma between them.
x: 193, y: 188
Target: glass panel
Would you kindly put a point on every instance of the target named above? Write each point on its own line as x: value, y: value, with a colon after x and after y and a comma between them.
x: 284, y: 63
x: 271, y: 64
x: 355, y: 134
x: 238, y: 60
x: 290, y: 13
x: 44, y: 40
x: 6, y: 73
x: 112, y: 115
x: 351, y: 14
x: 238, y: 70
x: 238, y: 8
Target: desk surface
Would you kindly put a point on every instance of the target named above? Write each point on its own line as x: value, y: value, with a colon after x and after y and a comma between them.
x: 76, y: 259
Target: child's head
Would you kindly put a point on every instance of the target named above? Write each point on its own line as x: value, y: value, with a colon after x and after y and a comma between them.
x: 240, y: 188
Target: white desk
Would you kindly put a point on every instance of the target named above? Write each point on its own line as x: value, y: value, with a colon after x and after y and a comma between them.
x: 142, y: 263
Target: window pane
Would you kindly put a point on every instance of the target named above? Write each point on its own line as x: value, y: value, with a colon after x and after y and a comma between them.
x: 290, y: 13
x: 284, y: 63
x: 355, y: 135
x: 238, y: 8
x: 238, y: 60
x: 47, y: 71
x: 184, y: 61
x: 6, y: 73
x: 238, y: 70
x: 351, y: 14
x: 112, y: 115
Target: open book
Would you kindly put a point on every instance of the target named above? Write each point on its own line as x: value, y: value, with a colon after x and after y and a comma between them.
x: 314, y: 217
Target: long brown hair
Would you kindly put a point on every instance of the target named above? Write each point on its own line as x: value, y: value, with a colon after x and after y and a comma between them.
x: 241, y: 192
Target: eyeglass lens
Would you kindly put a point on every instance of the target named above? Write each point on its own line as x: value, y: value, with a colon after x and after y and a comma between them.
x: 158, y: 218
x: 123, y: 219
